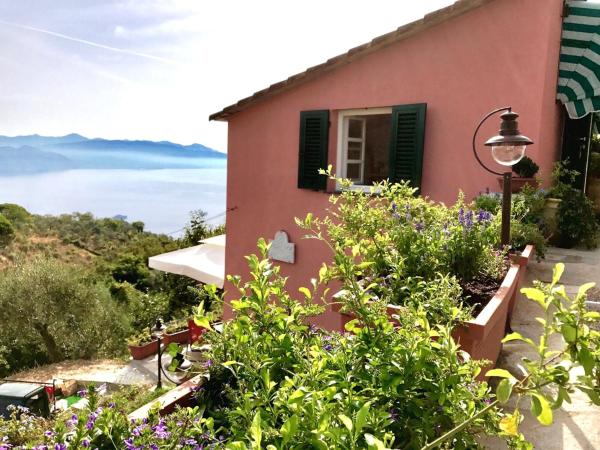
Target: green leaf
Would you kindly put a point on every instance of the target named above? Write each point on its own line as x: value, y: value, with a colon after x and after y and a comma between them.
x: 306, y: 292
x: 501, y: 373
x: 557, y: 272
x: 296, y: 396
x: 587, y: 360
x: 352, y: 326
x: 374, y: 443
x: 346, y: 421
x: 289, y: 429
x: 256, y: 430
x: 569, y: 332
x: 504, y: 390
x: 202, y: 322
x: 583, y: 289
x: 535, y: 295
x: 510, y: 424
x: 514, y: 336
x: 361, y: 417
x: 541, y: 409
x: 238, y: 445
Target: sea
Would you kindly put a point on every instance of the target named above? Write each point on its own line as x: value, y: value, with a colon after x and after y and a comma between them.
x: 162, y: 199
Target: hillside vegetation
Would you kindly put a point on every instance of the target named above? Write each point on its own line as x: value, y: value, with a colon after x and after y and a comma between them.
x: 75, y: 286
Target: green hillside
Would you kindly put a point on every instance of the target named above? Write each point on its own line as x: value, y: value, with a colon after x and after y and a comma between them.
x: 74, y: 285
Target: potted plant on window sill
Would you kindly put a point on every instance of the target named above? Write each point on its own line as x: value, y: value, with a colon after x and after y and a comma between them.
x: 526, y: 170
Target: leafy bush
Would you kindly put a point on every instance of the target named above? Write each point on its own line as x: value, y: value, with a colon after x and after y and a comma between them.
x: 407, y: 239
x: 141, y: 308
x: 49, y: 303
x: 576, y: 220
x: 15, y: 213
x: 526, y: 168
x: 490, y: 202
x: 7, y: 231
x: 275, y: 382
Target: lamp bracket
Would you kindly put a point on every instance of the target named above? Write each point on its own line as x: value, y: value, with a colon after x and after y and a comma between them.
x: 487, y: 116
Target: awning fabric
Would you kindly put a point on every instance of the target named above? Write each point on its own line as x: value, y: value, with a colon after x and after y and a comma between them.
x: 204, y: 262
x: 579, y: 70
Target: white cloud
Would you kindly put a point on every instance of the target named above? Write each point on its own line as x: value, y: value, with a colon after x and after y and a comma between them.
x: 98, y: 84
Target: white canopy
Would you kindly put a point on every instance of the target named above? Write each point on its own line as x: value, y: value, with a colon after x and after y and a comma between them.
x: 204, y: 262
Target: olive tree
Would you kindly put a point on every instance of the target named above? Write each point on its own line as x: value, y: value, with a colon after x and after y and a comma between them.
x: 62, y: 307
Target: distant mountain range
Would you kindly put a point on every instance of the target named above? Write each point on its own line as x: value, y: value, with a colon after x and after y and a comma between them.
x: 21, y: 155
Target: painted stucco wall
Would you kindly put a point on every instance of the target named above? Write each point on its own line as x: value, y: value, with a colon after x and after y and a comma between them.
x: 503, y: 53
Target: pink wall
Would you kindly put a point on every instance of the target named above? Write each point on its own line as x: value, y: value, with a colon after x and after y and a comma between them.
x: 504, y: 53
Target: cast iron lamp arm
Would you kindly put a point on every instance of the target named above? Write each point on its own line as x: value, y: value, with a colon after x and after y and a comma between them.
x: 506, y: 108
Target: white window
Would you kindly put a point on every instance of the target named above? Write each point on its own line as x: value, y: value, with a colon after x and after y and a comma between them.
x: 364, y: 145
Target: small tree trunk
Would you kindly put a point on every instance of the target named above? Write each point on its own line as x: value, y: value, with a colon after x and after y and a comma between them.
x: 53, y: 350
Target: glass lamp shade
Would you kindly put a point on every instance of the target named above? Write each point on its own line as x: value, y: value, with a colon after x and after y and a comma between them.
x: 508, y: 155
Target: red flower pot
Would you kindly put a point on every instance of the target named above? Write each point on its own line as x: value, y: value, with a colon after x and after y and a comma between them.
x: 143, y: 351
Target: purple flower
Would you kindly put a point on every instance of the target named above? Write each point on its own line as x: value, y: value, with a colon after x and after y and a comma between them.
x: 328, y: 347
x: 483, y: 216
x: 469, y: 220
x: 4, y: 444
x: 85, y: 443
x: 408, y: 215
x: 112, y: 405
x: 461, y: 216
x: 160, y: 430
x: 82, y: 393
x: 208, y: 363
x: 419, y: 226
x: 60, y: 446
x: 48, y: 433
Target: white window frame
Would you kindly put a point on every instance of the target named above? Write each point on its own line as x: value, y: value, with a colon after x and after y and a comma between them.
x: 342, y: 141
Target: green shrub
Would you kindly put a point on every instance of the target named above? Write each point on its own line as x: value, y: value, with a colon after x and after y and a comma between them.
x: 576, y: 220
x: 15, y: 213
x: 142, y: 309
x: 490, y: 202
x: 7, y: 231
x: 60, y: 307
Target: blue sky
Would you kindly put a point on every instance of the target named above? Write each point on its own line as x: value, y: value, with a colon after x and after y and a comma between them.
x: 155, y: 69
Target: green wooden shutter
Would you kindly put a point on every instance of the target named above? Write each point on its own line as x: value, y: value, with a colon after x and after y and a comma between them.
x: 406, y: 144
x: 314, y: 145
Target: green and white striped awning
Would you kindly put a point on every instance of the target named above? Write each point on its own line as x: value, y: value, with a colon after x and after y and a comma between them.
x: 579, y: 70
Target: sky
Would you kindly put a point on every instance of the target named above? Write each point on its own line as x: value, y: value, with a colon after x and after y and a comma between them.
x: 156, y: 69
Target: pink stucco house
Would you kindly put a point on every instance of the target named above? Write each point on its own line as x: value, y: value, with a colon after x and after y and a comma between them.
x: 403, y: 106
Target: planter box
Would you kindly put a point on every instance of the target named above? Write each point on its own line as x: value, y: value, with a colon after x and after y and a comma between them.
x: 518, y: 183
x: 143, y: 351
x: 181, y: 395
x: 522, y: 260
x: 481, y: 337
x: 180, y: 337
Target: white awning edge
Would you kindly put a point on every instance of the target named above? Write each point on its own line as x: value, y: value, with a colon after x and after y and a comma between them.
x: 204, y: 263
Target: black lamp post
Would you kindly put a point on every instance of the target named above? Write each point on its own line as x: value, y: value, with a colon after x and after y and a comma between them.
x: 508, y: 147
x: 158, y: 332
